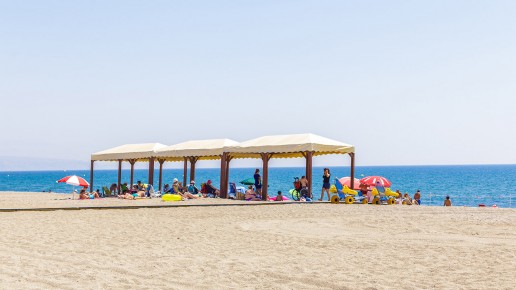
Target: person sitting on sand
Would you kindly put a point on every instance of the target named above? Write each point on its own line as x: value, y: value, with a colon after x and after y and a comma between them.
x: 279, y: 197
x: 417, y: 197
x: 303, y: 181
x: 166, y: 188
x: 212, y: 191
x: 99, y: 193
x: 447, y: 201
x: 363, y: 189
x: 407, y: 200
x: 193, y: 189
x: 175, y: 187
x: 399, y: 198
x: 250, y: 195
x: 124, y: 187
x: 84, y: 195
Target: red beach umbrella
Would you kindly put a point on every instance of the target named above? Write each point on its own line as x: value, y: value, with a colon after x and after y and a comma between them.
x: 74, y: 180
x: 372, y: 180
x: 347, y: 182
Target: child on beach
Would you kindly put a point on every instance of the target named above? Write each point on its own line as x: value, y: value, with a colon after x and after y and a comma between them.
x: 279, y: 197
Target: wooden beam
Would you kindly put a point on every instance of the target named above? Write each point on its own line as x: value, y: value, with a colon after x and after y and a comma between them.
x: 91, y: 176
x: 151, y: 170
x: 193, y: 160
x: 265, y: 178
x: 352, y: 173
x: 185, y: 168
x: 223, y: 191
x: 228, y: 159
x: 161, y: 161
x: 119, y: 175
x: 308, y: 170
x: 132, y: 161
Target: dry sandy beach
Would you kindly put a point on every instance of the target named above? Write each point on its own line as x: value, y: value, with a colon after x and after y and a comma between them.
x: 289, y: 246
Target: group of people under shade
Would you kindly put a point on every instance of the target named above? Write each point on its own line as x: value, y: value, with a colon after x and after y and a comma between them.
x: 140, y: 190
x: 192, y: 191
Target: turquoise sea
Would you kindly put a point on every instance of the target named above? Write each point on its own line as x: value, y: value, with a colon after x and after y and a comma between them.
x: 467, y: 185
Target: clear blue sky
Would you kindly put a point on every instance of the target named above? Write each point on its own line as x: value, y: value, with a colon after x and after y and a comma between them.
x: 406, y: 82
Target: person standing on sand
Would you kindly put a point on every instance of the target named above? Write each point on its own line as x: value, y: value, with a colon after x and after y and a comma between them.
x: 114, y: 188
x: 447, y: 201
x: 258, y: 181
x: 417, y: 197
x: 326, y: 184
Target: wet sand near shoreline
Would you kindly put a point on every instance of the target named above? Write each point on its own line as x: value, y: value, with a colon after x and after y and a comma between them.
x: 289, y: 246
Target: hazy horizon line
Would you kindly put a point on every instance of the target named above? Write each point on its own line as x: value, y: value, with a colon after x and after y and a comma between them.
x: 243, y: 167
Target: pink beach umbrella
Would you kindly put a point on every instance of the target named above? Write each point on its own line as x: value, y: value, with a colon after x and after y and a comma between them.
x: 347, y: 182
x: 372, y: 181
x: 74, y: 180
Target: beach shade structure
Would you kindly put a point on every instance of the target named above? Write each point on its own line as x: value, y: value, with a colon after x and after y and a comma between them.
x: 346, y: 181
x: 249, y: 181
x: 132, y: 153
x: 372, y: 181
x: 304, y: 146
x: 74, y: 180
x: 195, y: 150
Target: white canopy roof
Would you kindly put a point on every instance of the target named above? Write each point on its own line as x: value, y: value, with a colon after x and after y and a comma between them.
x: 289, y: 146
x: 129, y: 151
x: 204, y: 149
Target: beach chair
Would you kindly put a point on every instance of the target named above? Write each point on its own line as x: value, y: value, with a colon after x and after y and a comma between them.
x: 106, y: 191
x: 149, y: 191
x: 346, y: 194
x: 383, y: 195
x: 232, y: 194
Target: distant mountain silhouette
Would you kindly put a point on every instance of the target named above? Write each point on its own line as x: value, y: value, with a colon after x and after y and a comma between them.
x: 9, y: 163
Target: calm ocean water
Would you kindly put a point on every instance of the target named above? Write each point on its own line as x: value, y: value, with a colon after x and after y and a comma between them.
x: 466, y: 185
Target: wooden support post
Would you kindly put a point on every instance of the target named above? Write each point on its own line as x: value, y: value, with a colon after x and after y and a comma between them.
x: 185, y: 170
x: 309, y: 158
x: 151, y: 171
x: 352, y: 174
x: 228, y: 159
x: 161, y: 161
x: 265, y: 178
x: 91, y: 176
x: 119, y: 175
x: 193, y: 160
x: 132, y: 161
x: 223, y: 191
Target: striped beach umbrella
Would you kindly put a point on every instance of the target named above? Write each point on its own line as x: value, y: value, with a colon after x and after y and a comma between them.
x: 74, y: 180
x: 374, y: 180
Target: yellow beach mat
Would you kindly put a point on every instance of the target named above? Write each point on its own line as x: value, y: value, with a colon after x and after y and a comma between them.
x: 171, y: 197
